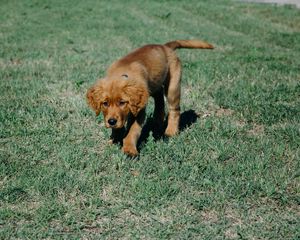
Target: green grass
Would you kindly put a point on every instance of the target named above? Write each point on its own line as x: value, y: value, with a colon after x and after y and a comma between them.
x: 232, y: 174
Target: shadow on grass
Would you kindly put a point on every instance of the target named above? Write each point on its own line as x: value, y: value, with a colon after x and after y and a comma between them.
x: 187, y: 118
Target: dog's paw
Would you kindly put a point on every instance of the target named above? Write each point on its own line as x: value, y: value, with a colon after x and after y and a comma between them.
x: 170, y: 132
x: 129, y: 150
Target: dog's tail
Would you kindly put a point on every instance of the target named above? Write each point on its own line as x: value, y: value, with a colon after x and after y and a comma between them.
x: 188, y: 44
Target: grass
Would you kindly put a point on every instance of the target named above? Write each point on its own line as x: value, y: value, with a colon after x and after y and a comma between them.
x: 231, y: 174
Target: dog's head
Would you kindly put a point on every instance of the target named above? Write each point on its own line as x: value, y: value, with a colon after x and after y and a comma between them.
x: 116, y: 99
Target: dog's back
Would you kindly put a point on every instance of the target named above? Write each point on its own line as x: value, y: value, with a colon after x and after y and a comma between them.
x: 151, y: 62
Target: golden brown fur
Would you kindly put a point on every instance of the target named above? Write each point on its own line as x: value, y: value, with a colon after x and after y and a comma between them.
x: 122, y: 95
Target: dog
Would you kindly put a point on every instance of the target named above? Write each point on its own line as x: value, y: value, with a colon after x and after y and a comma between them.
x: 122, y: 95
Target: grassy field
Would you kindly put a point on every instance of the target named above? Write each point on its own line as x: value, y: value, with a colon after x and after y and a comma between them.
x: 231, y: 173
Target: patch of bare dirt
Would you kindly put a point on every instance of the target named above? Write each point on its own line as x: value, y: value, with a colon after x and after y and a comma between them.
x: 256, y: 130
x: 224, y: 112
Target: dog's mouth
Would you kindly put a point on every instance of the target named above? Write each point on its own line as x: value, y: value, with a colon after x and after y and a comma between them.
x: 114, y: 127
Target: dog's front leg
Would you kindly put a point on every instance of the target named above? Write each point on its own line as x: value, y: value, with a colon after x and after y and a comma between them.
x: 134, y: 133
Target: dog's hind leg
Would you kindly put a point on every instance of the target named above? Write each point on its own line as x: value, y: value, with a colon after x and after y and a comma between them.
x: 173, y: 96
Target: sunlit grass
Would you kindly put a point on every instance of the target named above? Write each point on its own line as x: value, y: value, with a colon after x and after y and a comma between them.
x: 231, y: 173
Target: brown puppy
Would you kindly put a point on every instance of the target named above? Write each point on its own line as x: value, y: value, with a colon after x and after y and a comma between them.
x: 152, y: 70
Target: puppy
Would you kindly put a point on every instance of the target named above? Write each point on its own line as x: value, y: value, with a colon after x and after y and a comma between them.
x: 122, y: 95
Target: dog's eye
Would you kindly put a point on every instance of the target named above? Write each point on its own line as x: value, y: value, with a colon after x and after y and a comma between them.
x: 105, y: 104
x: 122, y: 103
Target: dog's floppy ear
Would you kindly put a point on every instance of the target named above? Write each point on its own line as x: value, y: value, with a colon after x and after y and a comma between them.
x: 94, y: 95
x: 137, y: 96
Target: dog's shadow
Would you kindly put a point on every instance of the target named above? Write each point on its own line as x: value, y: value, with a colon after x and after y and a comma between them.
x: 187, y: 118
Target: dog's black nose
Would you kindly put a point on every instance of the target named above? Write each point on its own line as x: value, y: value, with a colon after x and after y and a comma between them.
x: 112, y: 121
